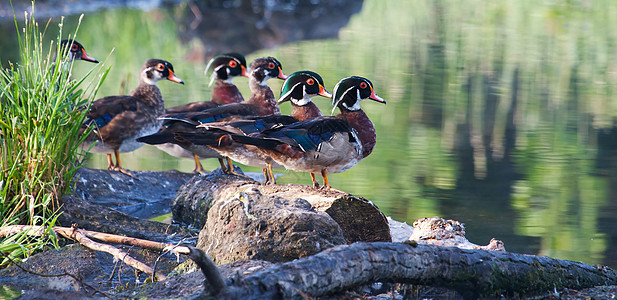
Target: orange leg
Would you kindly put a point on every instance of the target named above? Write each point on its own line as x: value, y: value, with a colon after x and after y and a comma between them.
x: 118, y: 167
x: 198, y: 167
x: 110, y: 163
x: 223, y: 166
x: 315, y: 183
x: 230, y: 167
x: 269, y: 175
x: 326, y: 183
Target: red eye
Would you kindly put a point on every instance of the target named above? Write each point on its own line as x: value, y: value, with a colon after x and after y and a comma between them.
x: 310, y: 81
x: 160, y: 67
x: 233, y: 63
x: 74, y: 47
x: 363, y: 85
x: 271, y: 66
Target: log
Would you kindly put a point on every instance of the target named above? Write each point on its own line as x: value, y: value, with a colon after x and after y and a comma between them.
x: 472, y: 273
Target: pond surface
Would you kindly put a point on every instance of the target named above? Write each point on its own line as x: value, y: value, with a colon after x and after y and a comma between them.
x: 500, y: 114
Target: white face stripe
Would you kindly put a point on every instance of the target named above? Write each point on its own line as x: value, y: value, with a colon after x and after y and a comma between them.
x: 290, y: 90
x: 146, y: 79
x: 306, y: 98
x: 356, y: 105
x: 337, y: 85
x: 264, y: 81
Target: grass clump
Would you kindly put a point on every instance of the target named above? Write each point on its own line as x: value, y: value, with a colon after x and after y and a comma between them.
x: 41, y: 111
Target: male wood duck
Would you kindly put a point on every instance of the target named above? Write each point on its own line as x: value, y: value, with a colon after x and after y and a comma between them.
x: 260, y: 103
x: 119, y: 120
x: 225, y: 68
x: 76, y: 51
x: 324, y: 144
x: 299, y: 88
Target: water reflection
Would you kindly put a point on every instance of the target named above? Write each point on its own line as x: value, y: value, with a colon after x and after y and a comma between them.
x: 248, y: 26
x: 502, y: 118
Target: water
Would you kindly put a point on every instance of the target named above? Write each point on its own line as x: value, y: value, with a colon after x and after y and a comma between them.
x: 500, y: 115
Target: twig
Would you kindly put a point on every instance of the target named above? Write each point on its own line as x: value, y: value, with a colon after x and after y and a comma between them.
x: 83, y: 284
x: 82, y: 236
x: 105, y: 237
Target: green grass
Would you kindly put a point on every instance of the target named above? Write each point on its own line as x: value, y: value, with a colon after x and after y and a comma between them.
x: 42, y: 110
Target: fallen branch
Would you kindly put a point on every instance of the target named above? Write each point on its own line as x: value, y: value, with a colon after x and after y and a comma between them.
x: 84, y: 237
x: 473, y: 273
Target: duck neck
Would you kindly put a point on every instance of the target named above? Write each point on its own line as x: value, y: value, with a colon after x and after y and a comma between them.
x: 262, y: 98
x: 150, y: 95
x: 225, y: 92
x: 304, y: 112
x: 363, y: 126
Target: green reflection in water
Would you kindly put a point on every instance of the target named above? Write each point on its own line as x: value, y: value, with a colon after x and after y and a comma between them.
x: 494, y: 115
x: 9, y: 293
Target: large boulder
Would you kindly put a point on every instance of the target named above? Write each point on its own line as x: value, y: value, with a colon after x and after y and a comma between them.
x: 245, y: 224
x: 243, y: 219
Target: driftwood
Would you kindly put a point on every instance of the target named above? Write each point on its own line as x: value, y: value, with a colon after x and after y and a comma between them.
x: 85, y: 237
x: 472, y: 273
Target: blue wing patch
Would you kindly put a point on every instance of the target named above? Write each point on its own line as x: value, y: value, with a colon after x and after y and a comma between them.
x: 212, y: 119
x: 102, y: 120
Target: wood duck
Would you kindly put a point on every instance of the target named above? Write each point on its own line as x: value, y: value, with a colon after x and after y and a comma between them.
x: 324, y: 144
x: 299, y: 88
x: 225, y: 68
x: 76, y: 51
x: 119, y: 120
x: 260, y: 103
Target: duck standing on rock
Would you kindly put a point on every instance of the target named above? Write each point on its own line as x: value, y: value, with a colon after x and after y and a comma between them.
x: 298, y: 89
x: 324, y: 144
x: 261, y: 103
x: 225, y: 68
x: 119, y: 120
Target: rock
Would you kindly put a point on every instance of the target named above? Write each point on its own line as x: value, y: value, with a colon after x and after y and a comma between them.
x: 145, y: 197
x: 359, y: 219
x: 447, y: 233
x: 95, y: 217
x: 243, y: 223
x: 95, y: 268
x: 400, y: 231
x: 102, y: 201
x: 243, y: 219
x: 191, y: 284
x: 193, y: 200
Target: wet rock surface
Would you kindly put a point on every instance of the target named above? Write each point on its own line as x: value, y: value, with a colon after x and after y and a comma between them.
x: 145, y: 197
x: 98, y: 269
